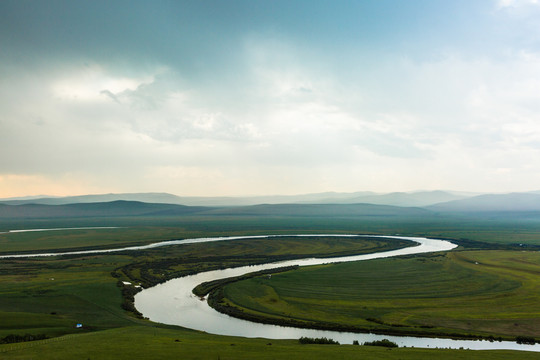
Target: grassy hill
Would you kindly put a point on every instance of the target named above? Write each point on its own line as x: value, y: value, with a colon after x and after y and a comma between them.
x: 106, y: 209
x: 135, y: 208
x: 321, y: 210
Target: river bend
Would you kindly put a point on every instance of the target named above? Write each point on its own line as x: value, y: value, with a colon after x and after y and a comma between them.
x: 174, y: 303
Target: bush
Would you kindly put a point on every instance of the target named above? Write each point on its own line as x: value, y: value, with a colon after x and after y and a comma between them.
x: 13, y: 338
x: 323, y: 341
x: 384, y: 342
x: 527, y: 340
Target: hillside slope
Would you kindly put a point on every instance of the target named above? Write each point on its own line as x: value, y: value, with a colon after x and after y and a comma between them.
x: 104, y: 209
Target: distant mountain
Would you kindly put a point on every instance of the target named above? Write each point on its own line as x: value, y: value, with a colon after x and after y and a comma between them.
x: 165, y: 198
x: 257, y: 200
x: 492, y: 202
x: 159, y: 198
x: 501, y: 203
x: 320, y: 210
x: 26, y: 198
x: 102, y: 209
x: 134, y: 209
x: 413, y: 199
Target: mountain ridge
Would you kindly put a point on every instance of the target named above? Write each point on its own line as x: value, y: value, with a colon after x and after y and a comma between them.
x: 116, y: 208
x: 121, y: 208
x: 437, y: 201
x: 412, y: 199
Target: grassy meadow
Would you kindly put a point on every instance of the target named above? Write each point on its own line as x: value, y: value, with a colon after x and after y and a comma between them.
x: 491, y: 228
x: 49, y: 296
x: 149, y: 342
x: 460, y: 294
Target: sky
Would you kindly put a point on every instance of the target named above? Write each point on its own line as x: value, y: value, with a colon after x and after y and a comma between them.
x: 235, y: 98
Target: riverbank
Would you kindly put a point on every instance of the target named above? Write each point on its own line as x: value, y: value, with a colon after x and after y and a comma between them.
x: 50, y: 295
x: 156, y: 343
x: 196, y: 314
x: 466, y: 295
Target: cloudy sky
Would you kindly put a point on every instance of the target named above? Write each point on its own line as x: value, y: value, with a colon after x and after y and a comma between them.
x: 268, y: 97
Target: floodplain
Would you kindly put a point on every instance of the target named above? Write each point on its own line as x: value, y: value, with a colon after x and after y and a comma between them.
x: 50, y: 296
x: 461, y: 294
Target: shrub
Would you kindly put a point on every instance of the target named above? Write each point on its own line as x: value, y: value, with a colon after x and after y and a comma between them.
x: 323, y: 341
x: 13, y: 338
x: 528, y: 340
x: 383, y: 342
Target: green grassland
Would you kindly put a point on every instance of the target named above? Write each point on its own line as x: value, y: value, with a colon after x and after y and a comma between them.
x: 147, y: 342
x: 458, y: 294
x: 147, y: 230
x: 50, y: 295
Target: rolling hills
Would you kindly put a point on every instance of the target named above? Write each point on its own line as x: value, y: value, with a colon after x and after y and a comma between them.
x: 418, y: 204
x: 419, y: 198
x: 122, y: 208
x: 102, y: 209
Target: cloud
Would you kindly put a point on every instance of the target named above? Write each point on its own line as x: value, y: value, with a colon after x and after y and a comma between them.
x: 446, y: 121
x: 516, y: 3
x: 89, y: 82
x: 278, y: 112
x: 110, y: 94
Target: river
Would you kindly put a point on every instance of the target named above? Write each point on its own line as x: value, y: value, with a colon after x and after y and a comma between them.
x: 174, y: 303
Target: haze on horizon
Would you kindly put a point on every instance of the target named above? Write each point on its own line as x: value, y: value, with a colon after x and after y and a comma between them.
x: 226, y: 98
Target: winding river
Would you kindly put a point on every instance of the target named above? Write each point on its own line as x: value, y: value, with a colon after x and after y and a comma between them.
x: 174, y: 303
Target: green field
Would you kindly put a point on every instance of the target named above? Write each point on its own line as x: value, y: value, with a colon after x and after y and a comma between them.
x: 144, y: 230
x: 147, y: 342
x: 457, y: 294
x: 49, y: 296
